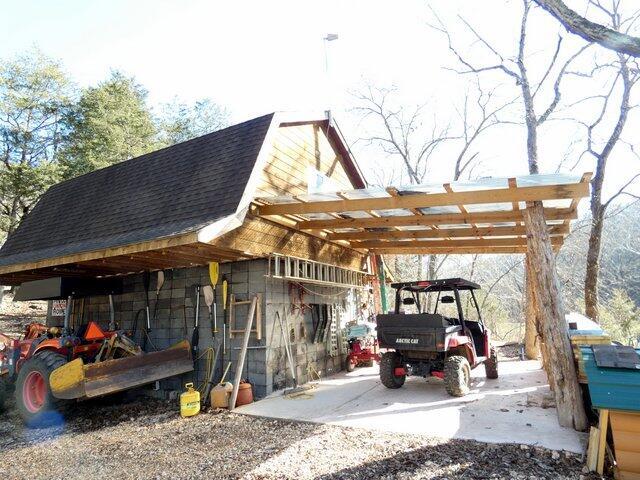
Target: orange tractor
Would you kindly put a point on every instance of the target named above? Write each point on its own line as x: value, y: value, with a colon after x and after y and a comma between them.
x: 49, y: 366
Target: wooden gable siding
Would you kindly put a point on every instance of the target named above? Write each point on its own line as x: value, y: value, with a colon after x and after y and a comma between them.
x: 295, y: 148
x: 259, y: 237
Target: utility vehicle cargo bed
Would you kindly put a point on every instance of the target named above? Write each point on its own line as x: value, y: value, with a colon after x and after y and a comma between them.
x: 413, y: 331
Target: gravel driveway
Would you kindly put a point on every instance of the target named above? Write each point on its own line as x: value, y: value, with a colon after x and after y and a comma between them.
x: 148, y: 439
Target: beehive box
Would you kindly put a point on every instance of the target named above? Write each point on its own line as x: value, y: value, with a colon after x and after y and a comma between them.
x: 579, y: 339
x: 625, y: 427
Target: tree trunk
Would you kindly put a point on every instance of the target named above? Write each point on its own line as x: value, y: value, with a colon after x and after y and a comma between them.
x: 531, y: 343
x: 562, y: 372
x: 593, y: 265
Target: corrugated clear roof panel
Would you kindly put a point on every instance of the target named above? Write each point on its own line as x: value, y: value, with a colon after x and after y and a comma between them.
x: 319, y: 197
x: 357, y: 214
x: 422, y: 188
x: 489, y: 207
x: 547, y: 179
x: 398, y: 212
x: 374, y: 192
x: 318, y: 216
x: 278, y: 199
x: 560, y: 203
x: 480, y: 184
x: 443, y: 209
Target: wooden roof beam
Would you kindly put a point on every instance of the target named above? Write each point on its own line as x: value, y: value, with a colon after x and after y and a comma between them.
x: 474, y: 242
x: 498, y: 195
x: 449, y: 250
x: 444, y: 233
x: 434, y: 219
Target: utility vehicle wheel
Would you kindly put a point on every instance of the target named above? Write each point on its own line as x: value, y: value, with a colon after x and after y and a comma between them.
x: 34, y: 400
x: 457, y: 376
x: 491, y: 364
x: 350, y: 365
x: 388, y: 364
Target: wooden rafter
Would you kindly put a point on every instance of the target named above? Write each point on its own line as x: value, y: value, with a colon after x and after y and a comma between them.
x: 498, y: 195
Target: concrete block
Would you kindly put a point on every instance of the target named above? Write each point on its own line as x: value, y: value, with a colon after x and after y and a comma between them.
x: 124, y: 306
x: 240, y: 277
x: 178, y: 292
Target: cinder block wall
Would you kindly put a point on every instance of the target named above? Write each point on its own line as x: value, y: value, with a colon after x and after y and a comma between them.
x: 266, y: 366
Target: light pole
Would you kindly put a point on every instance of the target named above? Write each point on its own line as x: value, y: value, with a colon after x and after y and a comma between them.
x: 329, y: 38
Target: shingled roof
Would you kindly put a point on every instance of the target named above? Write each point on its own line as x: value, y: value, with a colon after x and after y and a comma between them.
x: 168, y: 192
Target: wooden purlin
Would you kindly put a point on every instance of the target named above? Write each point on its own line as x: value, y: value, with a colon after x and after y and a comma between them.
x: 470, y: 232
x: 498, y: 195
x: 448, y: 250
x: 426, y: 244
x: 433, y: 219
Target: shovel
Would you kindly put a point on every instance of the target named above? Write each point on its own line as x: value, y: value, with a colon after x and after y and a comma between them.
x: 195, y: 335
x: 159, y: 285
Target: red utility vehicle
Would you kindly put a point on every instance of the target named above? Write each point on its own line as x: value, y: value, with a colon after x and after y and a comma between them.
x: 436, y: 330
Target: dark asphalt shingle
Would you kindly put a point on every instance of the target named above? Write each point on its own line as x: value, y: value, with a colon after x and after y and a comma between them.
x: 171, y: 191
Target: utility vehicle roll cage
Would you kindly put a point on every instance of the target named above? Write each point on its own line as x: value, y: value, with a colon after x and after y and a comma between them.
x: 442, y: 285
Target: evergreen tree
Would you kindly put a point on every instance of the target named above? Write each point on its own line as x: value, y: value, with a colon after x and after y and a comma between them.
x: 110, y: 123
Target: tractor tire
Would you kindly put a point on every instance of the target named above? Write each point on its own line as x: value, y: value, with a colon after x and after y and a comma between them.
x: 35, y: 403
x: 457, y: 376
x: 491, y: 365
x: 388, y: 363
x: 4, y: 393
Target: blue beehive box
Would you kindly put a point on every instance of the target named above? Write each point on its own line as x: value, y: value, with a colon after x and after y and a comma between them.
x: 612, y: 388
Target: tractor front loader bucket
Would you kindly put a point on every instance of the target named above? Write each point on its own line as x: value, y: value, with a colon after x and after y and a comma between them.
x: 75, y: 380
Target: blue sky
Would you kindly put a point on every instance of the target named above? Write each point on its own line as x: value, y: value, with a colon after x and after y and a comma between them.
x: 255, y: 57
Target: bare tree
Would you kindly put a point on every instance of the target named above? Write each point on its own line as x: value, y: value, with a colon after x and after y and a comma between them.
x: 627, y: 75
x: 557, y: 354
x: 402, y: 130
x: 611, y: 38
x: 403, y: 134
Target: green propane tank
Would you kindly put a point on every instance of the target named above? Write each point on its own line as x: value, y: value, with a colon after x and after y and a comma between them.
x: 189, y: 401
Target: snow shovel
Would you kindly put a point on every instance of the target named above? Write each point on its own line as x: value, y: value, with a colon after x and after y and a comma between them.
x: 75, y: 380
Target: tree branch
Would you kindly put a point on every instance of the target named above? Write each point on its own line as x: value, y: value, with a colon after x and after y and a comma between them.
x: 591, y: 31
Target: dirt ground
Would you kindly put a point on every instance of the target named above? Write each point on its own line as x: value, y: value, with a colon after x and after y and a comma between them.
x: 147, y: 438
x: 15, y: 315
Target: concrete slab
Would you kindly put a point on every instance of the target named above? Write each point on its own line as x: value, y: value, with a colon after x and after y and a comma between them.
x: 496, y: 411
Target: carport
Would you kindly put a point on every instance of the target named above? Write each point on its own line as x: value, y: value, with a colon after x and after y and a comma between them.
x: 528, y: 214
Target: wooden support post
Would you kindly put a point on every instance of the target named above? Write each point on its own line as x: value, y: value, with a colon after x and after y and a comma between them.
x: 562, y: 371
x: 243, y: 354
x: 602, y: 442
x: 531, y: 349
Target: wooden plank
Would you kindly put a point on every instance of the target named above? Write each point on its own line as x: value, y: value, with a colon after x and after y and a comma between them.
x: 498, y: 195
x: 443, y: 233
x: 434, y: 219
x: 448, y: 250
x: 260, y: 237
x: 586, y: 178
x: 516, y: 205
x: 474, y: 242
x: 102, y: 253
x: 603, y: 426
